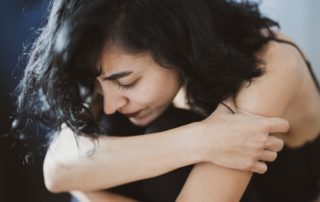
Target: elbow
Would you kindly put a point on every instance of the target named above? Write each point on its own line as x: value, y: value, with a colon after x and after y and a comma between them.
x: 179, y: 199
x: 52, y: 186
x: 52, y: 172
x: 182, y: 198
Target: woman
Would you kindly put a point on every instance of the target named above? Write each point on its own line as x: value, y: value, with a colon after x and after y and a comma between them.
x: 141, y: 53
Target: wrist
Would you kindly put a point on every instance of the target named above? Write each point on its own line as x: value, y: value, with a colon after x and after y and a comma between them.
x: 206, y: 144
x: 192, y: 138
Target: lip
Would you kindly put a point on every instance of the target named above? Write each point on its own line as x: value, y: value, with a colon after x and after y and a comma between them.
x: 133, y: 114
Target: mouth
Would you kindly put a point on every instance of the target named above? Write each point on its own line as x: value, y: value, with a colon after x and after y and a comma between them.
x: 133, y: 114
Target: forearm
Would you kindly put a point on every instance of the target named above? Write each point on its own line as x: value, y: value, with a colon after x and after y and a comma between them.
x: 116, y: 161
x: 208, y: 182
x: 236, y: 141
x: 100, y: 196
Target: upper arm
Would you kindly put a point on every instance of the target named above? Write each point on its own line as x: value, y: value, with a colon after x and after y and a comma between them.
x: 271, y: 93
x: 268, y: 95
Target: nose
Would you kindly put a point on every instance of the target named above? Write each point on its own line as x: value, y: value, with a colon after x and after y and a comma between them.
x: 113, y: 101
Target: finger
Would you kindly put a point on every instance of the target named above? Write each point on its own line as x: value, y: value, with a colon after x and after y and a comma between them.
x: 260, y: 167
x: 274, y: 144
x: 274, y: 125
x: 277, y: 125
x: 268, y: 156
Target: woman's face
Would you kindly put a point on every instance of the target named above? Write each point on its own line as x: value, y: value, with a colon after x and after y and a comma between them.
x: 135, y: 85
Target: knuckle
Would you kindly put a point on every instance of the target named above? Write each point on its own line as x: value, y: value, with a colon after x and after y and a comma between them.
x: 263, y: 137
x: 264, y: 127
x: 255, y: 156
x: 260, y: 144
x: 258, y: 153
x: 250, y: 165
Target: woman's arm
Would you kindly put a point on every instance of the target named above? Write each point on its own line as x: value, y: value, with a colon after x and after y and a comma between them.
x: 208, y: 182
x: 214, y: 182
x: 115, y: 161
x: 223, y: 139
x: 268, y: 95
x: 100, y: 196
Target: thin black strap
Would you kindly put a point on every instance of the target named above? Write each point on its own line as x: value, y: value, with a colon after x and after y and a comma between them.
x: 229, y: 108
x: 292, y: 44
x: 305, y: 59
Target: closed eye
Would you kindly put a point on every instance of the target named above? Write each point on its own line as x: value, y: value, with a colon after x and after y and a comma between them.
x: 127, y: 86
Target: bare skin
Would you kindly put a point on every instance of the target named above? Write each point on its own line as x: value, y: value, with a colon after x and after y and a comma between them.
x: 301, y: 109
x: 262, y: 99
x: 295, y: 99
x: 100, y: 196
x: 167, y: 151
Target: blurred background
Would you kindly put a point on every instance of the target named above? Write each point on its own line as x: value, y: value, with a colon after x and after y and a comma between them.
x: 301, y: 21
x: 19, y: 21
x: 19, y: 181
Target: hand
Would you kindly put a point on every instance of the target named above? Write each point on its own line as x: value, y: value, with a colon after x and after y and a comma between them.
x: 241, y: 140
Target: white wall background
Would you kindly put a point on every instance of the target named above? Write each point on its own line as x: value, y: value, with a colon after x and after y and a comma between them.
x: 300, y: 19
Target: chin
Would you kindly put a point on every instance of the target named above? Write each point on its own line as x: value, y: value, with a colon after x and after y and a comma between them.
x: 142, y: 122
x: 151, y: 116
x: 139, y: 122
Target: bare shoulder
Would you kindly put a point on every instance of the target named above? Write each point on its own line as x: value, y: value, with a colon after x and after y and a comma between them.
x: 281, y: 56
x: 271, y: 93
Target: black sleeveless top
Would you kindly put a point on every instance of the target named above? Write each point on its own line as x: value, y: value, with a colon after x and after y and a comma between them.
x: 295, y: 175
x: 163, y: 188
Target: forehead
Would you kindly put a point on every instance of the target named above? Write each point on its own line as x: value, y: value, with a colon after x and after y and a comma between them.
x: 115, y: 59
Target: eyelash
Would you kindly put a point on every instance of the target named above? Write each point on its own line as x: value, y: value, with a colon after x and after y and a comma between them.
x: 126, y: 87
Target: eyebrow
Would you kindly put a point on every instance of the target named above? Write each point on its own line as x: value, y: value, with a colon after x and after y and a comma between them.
x: 116, y: 76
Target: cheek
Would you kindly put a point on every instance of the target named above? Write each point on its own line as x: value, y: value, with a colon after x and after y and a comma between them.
x: 140, y: 95
x: 145, y: 96
x: 155, y: 90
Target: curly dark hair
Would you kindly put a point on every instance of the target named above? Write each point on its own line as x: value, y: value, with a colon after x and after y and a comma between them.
x: 212, y: 43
